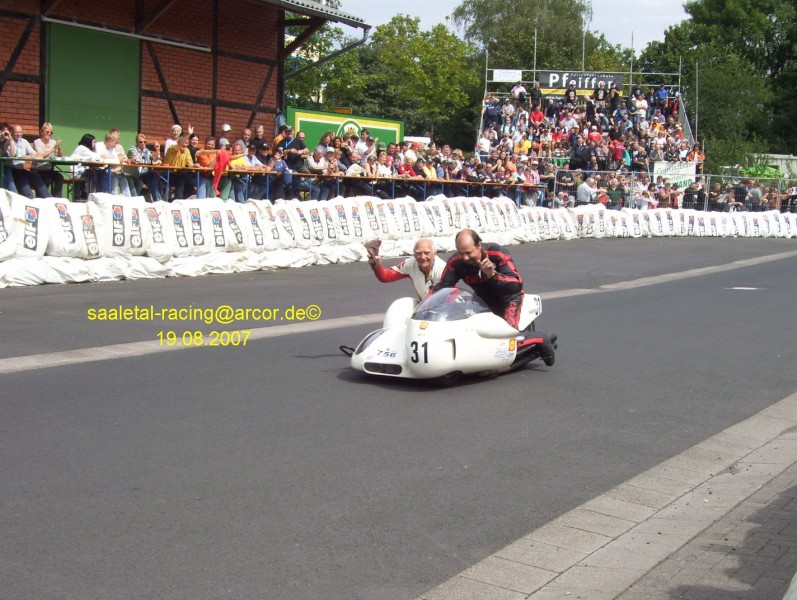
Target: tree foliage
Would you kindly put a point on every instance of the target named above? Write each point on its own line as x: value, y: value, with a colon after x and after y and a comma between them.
x: 506, y: 29
x: 742, y: 50
x: 744, y: 53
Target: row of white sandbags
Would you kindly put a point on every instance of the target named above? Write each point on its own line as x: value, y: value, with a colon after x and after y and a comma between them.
x: 595, y: 221
x: 194, y: 237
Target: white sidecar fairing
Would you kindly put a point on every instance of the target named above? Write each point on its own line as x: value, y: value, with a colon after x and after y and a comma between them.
x: 450, y: 332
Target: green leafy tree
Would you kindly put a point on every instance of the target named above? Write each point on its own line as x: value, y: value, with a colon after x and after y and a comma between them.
x: 506, y: 30
x: 420, y: 77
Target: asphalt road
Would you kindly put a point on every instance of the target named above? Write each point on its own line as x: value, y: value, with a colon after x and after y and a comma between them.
x: 273, y: 471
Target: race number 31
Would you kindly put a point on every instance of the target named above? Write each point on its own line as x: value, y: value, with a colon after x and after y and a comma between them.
x: 415, y: 356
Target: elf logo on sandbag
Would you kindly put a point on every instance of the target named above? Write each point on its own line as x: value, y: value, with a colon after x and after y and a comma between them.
x: 491, y: 209
x: 416, y: 222
x: 66, y: 222
x: 392, y: 210
x: 90, y: 235
x: 135, y: 229
x: 476, y: 213
x: 196, y: 227
x: 701, y: 225
x: 756, y: 228
x: 580, y: 225
x: 218, y: 231
x: 317, y: 226
x: 457, y: 217
x: 659, y: 224
x: 330, y: 223
x: 439, y: 216
x: 234, y: 226
x: 713, y: 222
x: 369, y: 211
x: 31, y: 234
x: 305, y: 224
x: 155, y: 224
x: 447, y: 207
x: 406, y: 218
x: 637, y: 228
x: 286, y: 223
x: 177, y: 219
x: 601, y: 221
x: 625, y: 228
x: 344, y: 223
x: 118, y: 225
x: 382, y: 217
x: 670, y: 224
x: 355, y: 217
x: 259, y: 232
x: 430, y: 214
x: 546, y: 225
x: 502, y: 215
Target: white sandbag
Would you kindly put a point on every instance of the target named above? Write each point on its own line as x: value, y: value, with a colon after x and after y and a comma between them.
x: 117, y: 221
x: 388, y: 219
x: 778, y: 224
x: 106, y: 268
x: 741, y: 223
x: 714, y: 227
x: 70, y: 269
x: 203, y: 230
x: 619, y: 224
x: 285, y: 258
x: 72, y: 224
x: 236, y: 218
x: 637, y: 225
x: 30, y: 229
x: 789, y: 224
x: 528, y: 218
x: 274, y: 225
x: 564, y: 221
x: 7, y: 246
x: 225, y: 233
x: 343, y: 221
x: 549, y: 228
x: 452, y: 214
x: 159, y: 242
x: 434, y: 210
x: 295, y: 222
x: 140, y: 267
x: 32, y: 270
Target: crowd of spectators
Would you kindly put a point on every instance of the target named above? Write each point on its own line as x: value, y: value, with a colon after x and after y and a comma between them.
x: 579, y: 151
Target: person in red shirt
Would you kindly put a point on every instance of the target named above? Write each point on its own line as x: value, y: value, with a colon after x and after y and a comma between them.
x: 536, y: 116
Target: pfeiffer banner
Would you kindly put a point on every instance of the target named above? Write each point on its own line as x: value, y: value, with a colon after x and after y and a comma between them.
x: 585, y: 81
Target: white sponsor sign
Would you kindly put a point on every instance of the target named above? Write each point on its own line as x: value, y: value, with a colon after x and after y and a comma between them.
x: 682, y: 173
x: 507, y: 75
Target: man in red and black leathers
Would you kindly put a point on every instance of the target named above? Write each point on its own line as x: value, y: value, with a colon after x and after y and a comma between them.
x: 488, y: 269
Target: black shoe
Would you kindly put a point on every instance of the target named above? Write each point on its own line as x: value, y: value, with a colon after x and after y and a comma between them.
x: 547, y: 352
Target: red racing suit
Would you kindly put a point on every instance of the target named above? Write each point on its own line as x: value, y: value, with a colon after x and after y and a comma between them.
x: 503, y: 293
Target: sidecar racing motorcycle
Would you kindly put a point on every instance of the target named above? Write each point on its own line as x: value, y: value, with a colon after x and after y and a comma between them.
x: 449, y: 334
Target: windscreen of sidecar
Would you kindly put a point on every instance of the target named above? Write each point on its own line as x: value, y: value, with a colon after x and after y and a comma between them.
x: 449, y: 304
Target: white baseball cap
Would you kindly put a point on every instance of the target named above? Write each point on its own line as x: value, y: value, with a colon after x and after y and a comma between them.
x: 226, y: 127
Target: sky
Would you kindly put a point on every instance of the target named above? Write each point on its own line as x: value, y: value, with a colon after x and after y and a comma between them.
x: 616, y: 19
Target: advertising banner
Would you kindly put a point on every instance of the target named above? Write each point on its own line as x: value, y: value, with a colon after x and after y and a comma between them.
x: 682, y: 173
x: 315, y: 123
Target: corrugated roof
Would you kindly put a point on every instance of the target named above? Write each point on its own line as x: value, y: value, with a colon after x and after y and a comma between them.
x: 316, y: 9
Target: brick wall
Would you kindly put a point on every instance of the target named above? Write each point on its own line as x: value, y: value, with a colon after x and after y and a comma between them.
x: 19, y: 100
x: 247, y: 28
